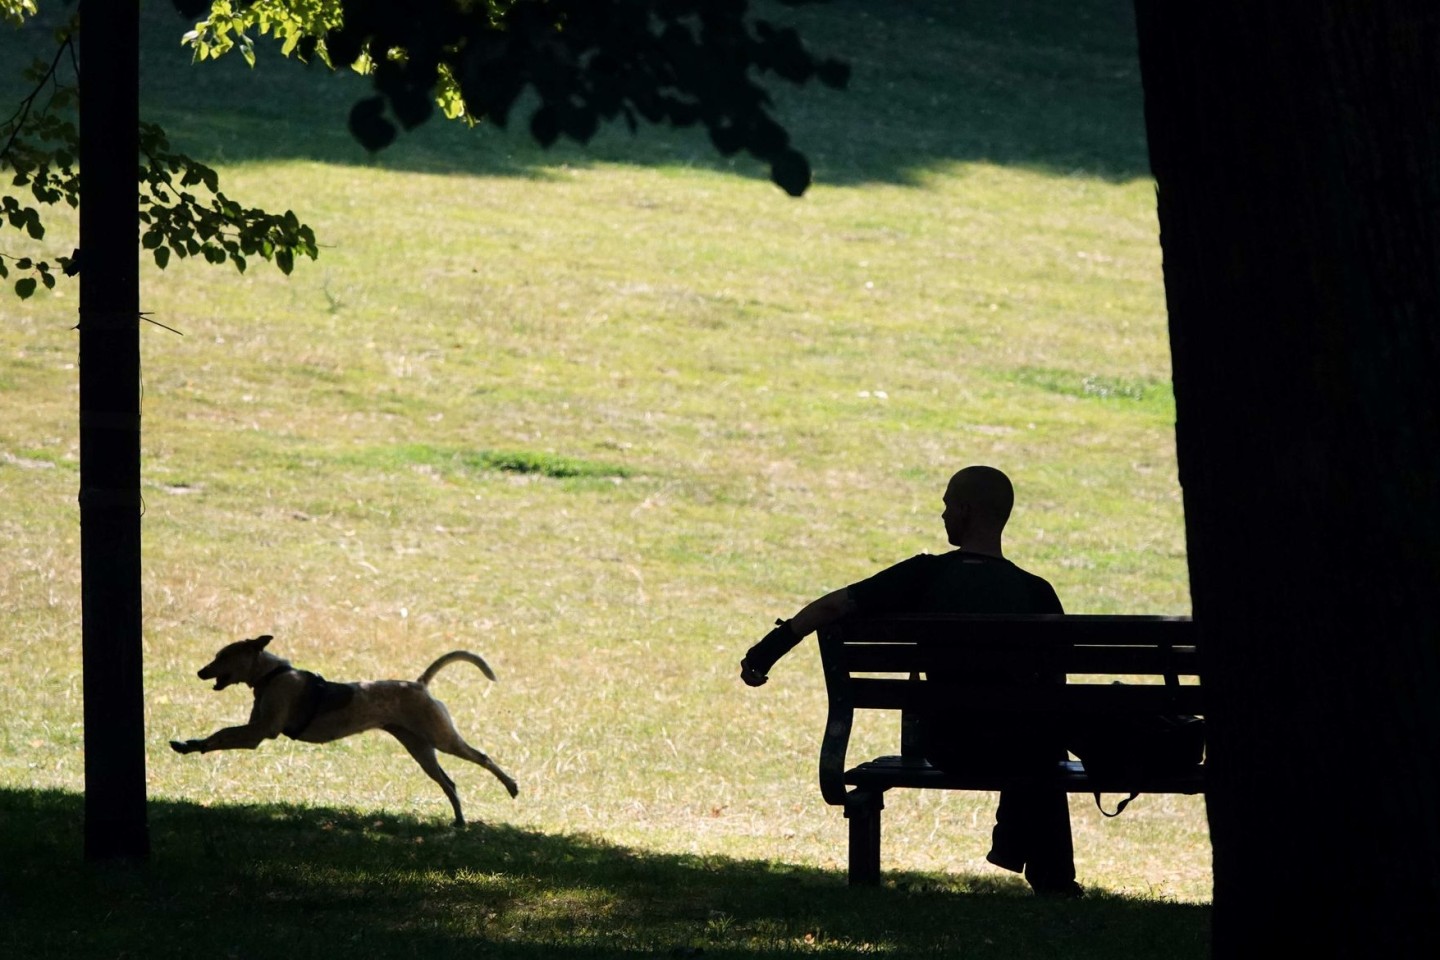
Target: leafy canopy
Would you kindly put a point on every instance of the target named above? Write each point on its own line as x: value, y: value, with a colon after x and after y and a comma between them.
x: 672, y: 62
x: 181, y: 209
x: 14, y: 12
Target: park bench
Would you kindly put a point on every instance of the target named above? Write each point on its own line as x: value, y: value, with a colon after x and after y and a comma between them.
x: 881, y: 664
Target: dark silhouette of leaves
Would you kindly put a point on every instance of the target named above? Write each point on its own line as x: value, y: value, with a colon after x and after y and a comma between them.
x: 791, y: 172
x: 675, y: 62
x: 369, y: 126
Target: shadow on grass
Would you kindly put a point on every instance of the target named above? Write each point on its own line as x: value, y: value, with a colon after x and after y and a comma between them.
x: 1051, y: 85
x: 282, y: 881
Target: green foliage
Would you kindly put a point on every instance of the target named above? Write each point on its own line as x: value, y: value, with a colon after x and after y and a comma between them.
x: 679, y: 64
x: 299, y: 25
x: 41, y: 146
x: 14, y: 12
x: 177, y: 220
x: 658, y: 61
x: 181, y: 208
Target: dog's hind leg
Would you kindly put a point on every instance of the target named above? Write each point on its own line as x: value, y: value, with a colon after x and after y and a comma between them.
x: 424, y: 753
x: 457, y: 747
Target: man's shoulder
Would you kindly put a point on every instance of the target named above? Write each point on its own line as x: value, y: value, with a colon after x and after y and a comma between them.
x: 1028, y: 575
x: 919, y: 563
x: 955, y: 582
x: 1008, y: 583
x: 1001, y: 565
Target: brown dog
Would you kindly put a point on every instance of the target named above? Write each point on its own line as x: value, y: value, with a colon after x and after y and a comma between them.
x: 304, y: 706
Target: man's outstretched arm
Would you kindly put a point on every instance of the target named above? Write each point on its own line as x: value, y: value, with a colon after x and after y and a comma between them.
x: 755, y: 667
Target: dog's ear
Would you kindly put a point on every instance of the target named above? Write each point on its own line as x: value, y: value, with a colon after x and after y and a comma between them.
x: 261, y: 641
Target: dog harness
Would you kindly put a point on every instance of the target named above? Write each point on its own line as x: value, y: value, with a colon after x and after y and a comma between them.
x: 320, y: 696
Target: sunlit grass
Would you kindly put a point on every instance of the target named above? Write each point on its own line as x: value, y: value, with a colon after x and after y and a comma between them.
x: 602, y: 422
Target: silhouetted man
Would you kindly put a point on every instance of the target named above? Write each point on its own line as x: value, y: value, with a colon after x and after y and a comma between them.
x: 1032, y: 827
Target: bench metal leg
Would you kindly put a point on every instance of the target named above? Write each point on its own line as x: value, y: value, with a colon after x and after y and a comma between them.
x: 863, y: 811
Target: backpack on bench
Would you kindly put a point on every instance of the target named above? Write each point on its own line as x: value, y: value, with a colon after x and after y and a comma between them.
x: 1139, y: 746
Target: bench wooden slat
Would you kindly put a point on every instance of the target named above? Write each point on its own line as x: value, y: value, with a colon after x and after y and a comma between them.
x: 869, y: 693
x: 905, y: 658
x: 1097, y: 629
x: 1068, y: 775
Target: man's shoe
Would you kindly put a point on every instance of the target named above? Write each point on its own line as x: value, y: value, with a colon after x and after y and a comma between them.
x: 1059, y: 891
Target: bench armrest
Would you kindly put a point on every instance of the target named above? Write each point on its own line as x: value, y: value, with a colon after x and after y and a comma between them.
x: 838, y: 722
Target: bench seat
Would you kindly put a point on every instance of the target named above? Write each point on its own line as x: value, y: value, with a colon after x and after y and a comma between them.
x: 884, y: 773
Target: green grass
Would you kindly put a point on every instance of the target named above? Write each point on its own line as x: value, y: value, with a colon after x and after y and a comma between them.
x: 1150, y: 394
x: 329, y: 880
x: 760, y: 400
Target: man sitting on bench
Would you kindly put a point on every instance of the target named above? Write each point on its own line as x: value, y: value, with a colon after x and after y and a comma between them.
x: 1032, y: 827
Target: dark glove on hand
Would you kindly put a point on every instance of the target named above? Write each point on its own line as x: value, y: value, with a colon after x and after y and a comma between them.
x: 774, y: 645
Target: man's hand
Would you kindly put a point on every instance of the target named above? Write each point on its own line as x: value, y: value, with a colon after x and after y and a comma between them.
x: 755, y: 665
x: 751, y: 676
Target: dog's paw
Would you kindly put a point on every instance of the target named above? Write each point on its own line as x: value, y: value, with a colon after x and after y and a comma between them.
x: 185, y: 746
x: 514, y: 789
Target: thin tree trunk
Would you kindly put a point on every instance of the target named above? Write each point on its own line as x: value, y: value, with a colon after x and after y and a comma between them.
x: 1296, y: 149
x: 115, y: 822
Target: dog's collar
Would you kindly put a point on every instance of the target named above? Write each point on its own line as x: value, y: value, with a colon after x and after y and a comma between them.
x: 282, y: 668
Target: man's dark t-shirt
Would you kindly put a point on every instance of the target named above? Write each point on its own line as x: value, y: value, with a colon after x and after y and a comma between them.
x: 966, y: 583
x: 955, y: 582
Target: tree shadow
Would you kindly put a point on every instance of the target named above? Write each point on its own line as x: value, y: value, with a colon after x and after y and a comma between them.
x: 230, y: 881
x: 1041, y: 84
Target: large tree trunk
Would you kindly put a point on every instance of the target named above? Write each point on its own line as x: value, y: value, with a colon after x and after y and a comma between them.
x: 1296, y: 149
x: 115, y: 825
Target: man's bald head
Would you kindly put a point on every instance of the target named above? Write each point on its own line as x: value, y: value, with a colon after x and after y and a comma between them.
x: 978, y: 502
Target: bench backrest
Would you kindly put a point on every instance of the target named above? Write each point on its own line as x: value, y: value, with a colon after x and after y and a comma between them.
x: 878, y: 664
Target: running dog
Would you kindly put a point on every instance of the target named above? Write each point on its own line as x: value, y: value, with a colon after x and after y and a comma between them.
x: 305, y: 706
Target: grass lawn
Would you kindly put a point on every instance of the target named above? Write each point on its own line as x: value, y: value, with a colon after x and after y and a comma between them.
x: 602, y: 415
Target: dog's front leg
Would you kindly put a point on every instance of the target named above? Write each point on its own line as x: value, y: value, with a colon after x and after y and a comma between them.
x: 246, y: 737
x: 267, y: 719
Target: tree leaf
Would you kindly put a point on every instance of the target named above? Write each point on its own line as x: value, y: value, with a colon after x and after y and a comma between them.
x: 162, y: 257
x: 24, y: 287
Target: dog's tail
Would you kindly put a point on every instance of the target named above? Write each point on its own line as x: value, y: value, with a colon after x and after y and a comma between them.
x: 450, y: 658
